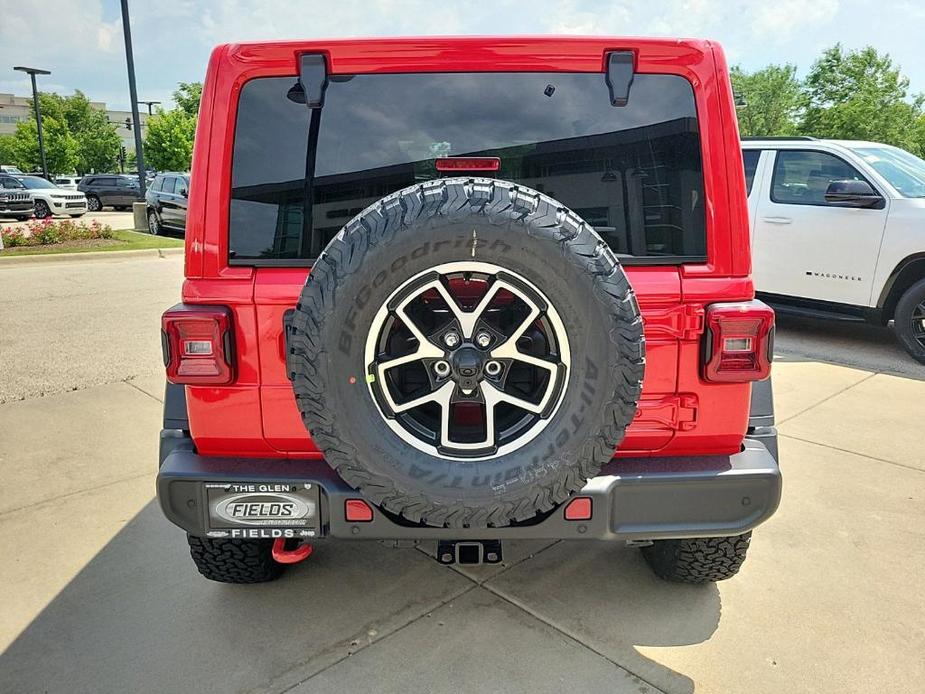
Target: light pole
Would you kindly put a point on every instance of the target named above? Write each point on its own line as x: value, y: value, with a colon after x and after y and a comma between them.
x: 32, y: 72
x: 150, y: 104
x: 133, y: 94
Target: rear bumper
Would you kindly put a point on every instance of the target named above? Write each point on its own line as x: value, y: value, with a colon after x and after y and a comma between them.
x: 632, y: 499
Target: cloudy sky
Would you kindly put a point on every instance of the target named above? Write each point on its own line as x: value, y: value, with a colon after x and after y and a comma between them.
x: 80, y: 41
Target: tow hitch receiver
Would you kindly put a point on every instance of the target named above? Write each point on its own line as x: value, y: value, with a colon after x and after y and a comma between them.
x: 469, y: 551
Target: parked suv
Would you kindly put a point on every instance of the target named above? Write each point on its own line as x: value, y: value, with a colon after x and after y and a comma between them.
x: 68, y: 182
x: 15, y: 200
x: 838, y: 231
x: 166, y: 202
x: 50, y: 199
x: 500, y: 290
x: 118, y: 190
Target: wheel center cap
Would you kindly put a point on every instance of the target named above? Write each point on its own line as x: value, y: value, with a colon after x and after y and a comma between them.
x: 467, y: 363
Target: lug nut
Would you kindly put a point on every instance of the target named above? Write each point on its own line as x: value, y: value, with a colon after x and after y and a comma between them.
x: 483, y: 339
x: 442, y: 368
x: 493, y: 368
x: 451, y: 339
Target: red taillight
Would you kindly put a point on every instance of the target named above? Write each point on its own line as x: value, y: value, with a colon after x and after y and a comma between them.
x: 578, y: 509
x: 739, y: 342
x: 198, y: 345
x: 357, y: 511
x: 468, y: 164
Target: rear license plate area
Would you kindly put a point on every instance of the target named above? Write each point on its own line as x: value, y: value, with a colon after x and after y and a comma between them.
x: 253, y: 511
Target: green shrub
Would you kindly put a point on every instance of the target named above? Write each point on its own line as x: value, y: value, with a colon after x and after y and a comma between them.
x: 46, y: 232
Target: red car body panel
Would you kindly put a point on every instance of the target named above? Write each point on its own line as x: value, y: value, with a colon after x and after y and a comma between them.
x: 679, y: 414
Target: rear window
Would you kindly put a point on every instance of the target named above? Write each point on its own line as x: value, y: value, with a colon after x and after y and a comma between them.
x: 632, y: 172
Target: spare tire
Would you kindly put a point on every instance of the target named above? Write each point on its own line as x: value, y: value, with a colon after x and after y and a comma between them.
x: 466, y: 353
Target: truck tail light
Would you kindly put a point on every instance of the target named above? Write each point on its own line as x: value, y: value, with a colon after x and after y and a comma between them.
x: 198, y: 345
x: 739, y: 342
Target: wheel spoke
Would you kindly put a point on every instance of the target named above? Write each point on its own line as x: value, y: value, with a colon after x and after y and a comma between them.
x: 441, y: 396
x: 445, y: 440
x: 426, y: 349
x: 496, y: 396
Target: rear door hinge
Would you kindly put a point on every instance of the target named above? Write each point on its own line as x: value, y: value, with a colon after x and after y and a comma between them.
x: 313, y: 78
x: 682, y: 322
x: 674, y: 412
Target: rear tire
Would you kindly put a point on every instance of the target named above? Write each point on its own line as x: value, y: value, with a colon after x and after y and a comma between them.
x: 909, y: 312
x: 94, y: 204
x: 234, y: 561
x: 700, y: 560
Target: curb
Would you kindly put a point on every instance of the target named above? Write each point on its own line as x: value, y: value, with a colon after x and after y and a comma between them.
x: 90, y: 255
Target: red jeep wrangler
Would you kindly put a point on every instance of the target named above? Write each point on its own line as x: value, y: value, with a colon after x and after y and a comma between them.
x: 464, y: 290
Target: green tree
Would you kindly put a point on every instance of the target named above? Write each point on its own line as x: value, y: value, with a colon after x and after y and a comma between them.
x: 919, y: 136
x: 168, y: 144
x: 860, y: 95
x: 60, y: 145
x: 98, y: 144
x: 8, y: 153
x: 187, y: 97
x: 772, y: 99
x: 97, y: 140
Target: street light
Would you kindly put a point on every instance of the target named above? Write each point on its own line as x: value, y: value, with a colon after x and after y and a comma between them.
x: 150, y: 104
x: 32, y: 72
x: 133, y: 94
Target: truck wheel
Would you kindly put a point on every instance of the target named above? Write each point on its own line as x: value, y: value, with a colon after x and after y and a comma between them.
x: 909, y: 320
x: 234, y: 561
x: 466, y: 353
x: 701, y: 560
x: 42, y: 211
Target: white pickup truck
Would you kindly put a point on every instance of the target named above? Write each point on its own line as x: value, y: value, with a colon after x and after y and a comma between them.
x: 838, y: 231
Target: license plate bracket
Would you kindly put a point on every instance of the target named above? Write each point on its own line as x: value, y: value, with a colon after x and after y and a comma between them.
x: 261, y: 510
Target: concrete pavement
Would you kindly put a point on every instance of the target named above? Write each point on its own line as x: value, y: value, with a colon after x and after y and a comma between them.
x: 100, y: 595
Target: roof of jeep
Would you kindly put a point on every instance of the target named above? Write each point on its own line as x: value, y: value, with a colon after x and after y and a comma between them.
x: 555, y: 51
x: 616, y: 42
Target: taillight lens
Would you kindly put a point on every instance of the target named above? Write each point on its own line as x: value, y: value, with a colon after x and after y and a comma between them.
x: 198, y: 345
x: 739, y: 342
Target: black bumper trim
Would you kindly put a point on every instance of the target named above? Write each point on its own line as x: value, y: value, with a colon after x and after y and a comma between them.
x: 633, y: 498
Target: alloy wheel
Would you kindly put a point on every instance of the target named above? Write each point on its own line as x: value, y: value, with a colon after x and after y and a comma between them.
x: 467, y: 361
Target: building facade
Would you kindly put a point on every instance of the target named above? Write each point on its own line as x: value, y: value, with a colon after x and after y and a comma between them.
x: 14, y: 109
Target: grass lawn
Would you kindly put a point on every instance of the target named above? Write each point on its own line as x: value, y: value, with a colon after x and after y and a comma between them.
x: 122, y: 240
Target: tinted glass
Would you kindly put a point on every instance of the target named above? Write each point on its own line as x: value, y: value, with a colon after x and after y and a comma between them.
x: 156, y: 184
x: 750, y: 158
x: 632, y: 172
x: 170, y: 184
x: 103, y: 181
x: 36, y: 183
x: 802, y: 177
x: 126, y: 182
x: 10, y: 182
